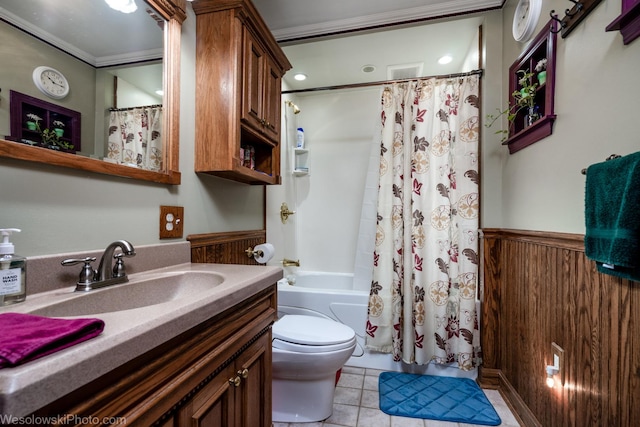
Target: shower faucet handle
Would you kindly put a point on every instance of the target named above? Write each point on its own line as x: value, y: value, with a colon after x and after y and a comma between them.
x: 285, y: 213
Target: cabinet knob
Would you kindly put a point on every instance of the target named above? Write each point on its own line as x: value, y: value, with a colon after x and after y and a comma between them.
x: 262, y: 121
x: 235, y: 381
x: 244, y: 373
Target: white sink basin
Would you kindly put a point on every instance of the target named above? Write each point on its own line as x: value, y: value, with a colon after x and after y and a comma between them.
x: 147, y: 291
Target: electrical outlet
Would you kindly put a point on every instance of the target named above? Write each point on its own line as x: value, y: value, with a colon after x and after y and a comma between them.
x: 171, y: 222
x: 558, y: 352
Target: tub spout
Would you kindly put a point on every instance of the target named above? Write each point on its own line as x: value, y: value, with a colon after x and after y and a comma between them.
x: 290, y: 263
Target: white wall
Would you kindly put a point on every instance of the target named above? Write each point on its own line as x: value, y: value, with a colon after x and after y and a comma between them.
x: 62, y: 210
x: 537, y: 188
x: 596, y: 103
x: 339, y: 128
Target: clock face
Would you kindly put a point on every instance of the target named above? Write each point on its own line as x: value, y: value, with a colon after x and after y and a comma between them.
x: 51, y: 82
x: 525, y: 19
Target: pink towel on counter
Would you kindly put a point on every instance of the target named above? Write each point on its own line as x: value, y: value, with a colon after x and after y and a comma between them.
x: 25, y: 337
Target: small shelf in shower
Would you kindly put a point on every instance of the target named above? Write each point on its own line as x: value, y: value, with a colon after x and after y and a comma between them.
x: 300, y: 167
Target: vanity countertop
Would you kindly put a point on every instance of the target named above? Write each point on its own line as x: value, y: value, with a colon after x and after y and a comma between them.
x: 127, y: 334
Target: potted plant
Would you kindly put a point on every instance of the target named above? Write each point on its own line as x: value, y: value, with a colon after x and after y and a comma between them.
x: 33, y: 121
x: 51, y: 139
x: 524, y: 99
x: 541, y: 69
x: 58, y: 128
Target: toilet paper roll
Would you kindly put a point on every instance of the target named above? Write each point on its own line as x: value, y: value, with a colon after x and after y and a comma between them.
x: 267, y: 253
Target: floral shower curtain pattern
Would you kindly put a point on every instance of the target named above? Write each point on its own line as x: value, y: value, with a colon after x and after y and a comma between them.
x: 422, y: 304
x: 135, y: 137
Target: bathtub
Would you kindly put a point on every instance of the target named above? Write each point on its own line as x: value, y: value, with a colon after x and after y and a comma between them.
x: 331, y: 295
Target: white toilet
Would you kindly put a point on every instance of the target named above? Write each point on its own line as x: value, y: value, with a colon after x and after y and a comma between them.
x: 308, y: 351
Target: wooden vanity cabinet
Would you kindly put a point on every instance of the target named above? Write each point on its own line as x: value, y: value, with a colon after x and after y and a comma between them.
x: 239, y: 69
x: 233, y: 395
x: 217, y: 374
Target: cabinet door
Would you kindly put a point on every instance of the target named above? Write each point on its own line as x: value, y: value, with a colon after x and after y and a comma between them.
x: 213, y: 406
x: 252, y: 82
x: 253, y: 404
x: 272, y: 87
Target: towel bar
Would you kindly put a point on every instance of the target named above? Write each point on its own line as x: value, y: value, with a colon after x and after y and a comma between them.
x: 611, y: 157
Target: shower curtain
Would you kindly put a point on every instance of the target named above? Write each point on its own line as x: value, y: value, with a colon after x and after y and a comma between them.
x: 135, y: 137
x: 423, y: 292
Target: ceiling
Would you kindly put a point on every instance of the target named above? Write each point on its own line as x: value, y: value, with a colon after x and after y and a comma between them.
x: 89, y: 29
x: 321, y: 40
x: 96, y: 34
x: 292, y: 19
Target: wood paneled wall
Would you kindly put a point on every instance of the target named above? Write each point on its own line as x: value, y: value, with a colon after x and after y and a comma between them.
x: 540, y: 288
x: 225, y: 248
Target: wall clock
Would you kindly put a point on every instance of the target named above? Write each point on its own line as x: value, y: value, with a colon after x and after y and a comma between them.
x: 526, y: 18
x: 51, y: 82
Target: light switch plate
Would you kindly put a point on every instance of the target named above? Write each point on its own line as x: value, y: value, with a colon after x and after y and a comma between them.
x: 171, y: 222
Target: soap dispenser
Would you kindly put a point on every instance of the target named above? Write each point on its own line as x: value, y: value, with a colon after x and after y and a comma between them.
x: 13, y: 271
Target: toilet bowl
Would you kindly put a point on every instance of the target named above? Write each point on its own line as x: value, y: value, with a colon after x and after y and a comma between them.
x: 308, y: 351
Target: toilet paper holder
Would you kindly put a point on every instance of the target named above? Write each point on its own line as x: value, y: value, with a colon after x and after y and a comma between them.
x: 251, y: 253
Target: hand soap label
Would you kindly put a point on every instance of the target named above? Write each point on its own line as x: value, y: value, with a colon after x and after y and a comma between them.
x: 10, y: 282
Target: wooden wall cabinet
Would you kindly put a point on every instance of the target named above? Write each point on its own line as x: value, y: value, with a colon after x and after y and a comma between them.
x: 217, y: 374
x: 239, y: 69
x: 543, y: 46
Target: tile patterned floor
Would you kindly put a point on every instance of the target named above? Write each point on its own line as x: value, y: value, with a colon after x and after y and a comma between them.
x: 356, y: 405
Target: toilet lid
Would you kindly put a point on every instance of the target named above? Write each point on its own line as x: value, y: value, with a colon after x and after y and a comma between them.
x: 311, y: 331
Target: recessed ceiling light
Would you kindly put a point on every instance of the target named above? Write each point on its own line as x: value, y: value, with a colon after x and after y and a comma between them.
x: 368, y: 68
x: 445, y: 60
x: 300, y: 76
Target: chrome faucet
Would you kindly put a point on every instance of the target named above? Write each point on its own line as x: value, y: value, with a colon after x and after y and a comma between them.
x: 107, y: 274
x: 106, y: 270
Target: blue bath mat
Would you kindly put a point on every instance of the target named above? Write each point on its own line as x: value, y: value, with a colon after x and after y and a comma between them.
x: 435, y: 398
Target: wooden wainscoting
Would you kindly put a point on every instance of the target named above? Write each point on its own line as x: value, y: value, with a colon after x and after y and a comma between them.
x: 540, y: 288
x: 225, y: 248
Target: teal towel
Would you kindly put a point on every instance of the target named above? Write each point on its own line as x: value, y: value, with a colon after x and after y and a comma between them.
x: 612, y: 216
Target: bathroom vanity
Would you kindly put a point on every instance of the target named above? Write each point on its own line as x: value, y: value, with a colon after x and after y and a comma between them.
x: 199, y: 356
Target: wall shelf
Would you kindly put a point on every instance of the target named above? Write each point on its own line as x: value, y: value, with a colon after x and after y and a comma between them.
x: 628, y: 23
x: 22, y: 104
x: 300, y: 162
x: 543, y: 46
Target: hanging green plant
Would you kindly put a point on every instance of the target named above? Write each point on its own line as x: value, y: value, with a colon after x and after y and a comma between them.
x: 524, y: 99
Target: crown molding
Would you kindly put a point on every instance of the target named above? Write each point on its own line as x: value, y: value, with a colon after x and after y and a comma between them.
x: 50, y: 39
x: 439, y: 10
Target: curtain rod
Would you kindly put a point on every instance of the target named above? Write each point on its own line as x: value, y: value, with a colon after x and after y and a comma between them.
x: 384, y: 82
x: 133, y: 108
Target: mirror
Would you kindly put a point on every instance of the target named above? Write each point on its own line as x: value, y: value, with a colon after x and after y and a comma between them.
x: 97, y: 83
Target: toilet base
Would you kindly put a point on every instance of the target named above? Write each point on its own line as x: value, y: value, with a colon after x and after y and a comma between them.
x: 305, y: 401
